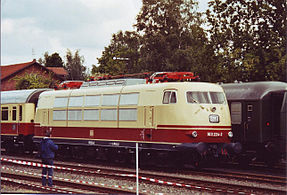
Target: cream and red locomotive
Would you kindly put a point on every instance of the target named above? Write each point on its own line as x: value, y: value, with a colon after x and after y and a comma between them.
x: 182, y: 122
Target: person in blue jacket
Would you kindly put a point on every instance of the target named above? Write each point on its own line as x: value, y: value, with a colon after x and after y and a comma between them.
x: 47, y: 154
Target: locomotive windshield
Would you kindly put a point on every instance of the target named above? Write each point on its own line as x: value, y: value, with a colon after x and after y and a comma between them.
x: 205, y: 97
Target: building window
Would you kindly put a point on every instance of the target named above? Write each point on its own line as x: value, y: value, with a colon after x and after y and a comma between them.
x: 4, y: 113
x: 169, y: 97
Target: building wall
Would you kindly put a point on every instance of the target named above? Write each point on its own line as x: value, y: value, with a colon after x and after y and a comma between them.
x: 10, y: 82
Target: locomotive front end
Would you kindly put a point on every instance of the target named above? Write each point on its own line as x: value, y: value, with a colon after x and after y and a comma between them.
x: 201, y: 116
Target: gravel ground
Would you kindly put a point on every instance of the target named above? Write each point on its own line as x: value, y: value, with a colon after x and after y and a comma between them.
x: 144, y: 187
x: 149, y: 188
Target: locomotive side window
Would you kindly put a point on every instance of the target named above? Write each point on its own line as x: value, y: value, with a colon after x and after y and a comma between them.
x: 129, y: 99
x: 75, y: 115
x: 59, y: 115
x: 92, y: 100
x: 4, y: 113
x: 61, y: 102
x: 14, y: 113
x: 169, y: 97
x: 91, y: 115
x: 110, y: 100
x: 236, y: 113
x: 109, y: 115
x: 130, y: 114
x: 76, y: 101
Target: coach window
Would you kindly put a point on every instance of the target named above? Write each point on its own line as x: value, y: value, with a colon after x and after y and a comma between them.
x: 169, y: 97
x: 4, y: 113
x: 14, y: 113
x: 236, y: 112
x: 76, y: 101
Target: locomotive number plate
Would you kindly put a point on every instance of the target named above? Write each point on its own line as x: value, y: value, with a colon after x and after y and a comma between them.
x: 214, y: 134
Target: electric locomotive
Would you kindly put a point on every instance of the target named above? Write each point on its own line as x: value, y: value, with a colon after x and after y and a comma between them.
x: 258, y: 117
x: 173, y: 122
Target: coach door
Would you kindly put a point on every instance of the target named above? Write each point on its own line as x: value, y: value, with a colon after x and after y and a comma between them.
x: 237, y: 121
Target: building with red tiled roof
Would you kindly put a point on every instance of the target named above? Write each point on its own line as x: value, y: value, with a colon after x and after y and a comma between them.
x: 9, y: 72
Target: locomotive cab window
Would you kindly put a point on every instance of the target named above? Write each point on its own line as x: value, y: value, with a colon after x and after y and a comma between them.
x: 205, y: 97
x: 169, y: 97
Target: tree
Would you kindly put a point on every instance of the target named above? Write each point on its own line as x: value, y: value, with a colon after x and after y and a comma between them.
x: 173, y: 39
x: 121, y: 56
x: 74, y: 65
x: 34, y: 81
x: 249, y: 38
x: 53, y: 60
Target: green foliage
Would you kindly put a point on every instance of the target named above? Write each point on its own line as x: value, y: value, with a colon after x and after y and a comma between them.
x: 33, y: 81
x: 169, y: 37
x: 74, y: 66
x: 121, y: 56
x: 249, y: 38
x: 53, y: 60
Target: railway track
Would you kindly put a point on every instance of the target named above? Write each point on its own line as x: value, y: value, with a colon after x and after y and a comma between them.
x: 193, y: 180
x: 63, y: 185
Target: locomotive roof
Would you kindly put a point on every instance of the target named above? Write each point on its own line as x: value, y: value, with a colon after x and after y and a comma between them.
x: 252, y: 90
x: 194, y: 86
x: 20, y: 96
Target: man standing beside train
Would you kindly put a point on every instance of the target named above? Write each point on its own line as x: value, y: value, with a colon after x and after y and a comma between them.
x: 47, y: 154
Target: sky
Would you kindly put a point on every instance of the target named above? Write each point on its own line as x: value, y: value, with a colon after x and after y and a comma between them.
x: 29, y: 28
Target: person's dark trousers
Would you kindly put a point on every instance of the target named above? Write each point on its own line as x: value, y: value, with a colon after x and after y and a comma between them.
x: 44, y: 172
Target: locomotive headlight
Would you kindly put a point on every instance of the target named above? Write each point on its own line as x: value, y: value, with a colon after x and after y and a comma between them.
x: 214, y: 118
x: 194, y: 134
x: 230, y: 134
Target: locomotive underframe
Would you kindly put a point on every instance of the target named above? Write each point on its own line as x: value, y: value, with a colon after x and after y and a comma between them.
x: 194, y: 154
